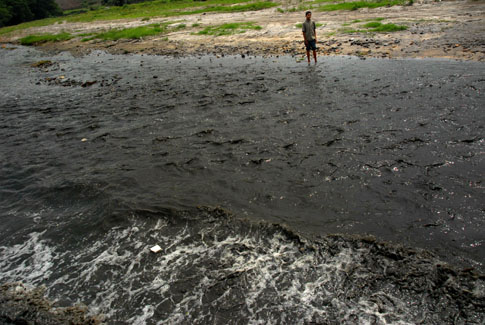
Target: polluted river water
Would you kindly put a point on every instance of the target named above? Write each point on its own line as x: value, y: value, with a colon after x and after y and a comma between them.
x: 345, y: 192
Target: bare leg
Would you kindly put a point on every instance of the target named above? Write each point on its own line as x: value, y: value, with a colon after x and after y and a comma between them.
x: 308, y: 55
x: 314, y: 56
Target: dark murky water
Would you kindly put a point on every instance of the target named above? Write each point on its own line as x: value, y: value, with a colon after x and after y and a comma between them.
x: 93, y: 174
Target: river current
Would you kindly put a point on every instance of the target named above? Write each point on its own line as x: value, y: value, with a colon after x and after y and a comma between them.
x: 347, y: 192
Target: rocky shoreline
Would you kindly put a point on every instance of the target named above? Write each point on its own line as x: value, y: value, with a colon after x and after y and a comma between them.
x: 20, y: 305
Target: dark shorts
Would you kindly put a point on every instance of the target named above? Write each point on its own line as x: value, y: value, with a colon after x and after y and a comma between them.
x: 311, y: 45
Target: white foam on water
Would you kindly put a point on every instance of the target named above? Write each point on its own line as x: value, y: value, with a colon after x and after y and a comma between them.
x: 265, y: 267
x: 479, y: 290
x: 148, y: 312
x: 256, y: 277
x: 30, y: 262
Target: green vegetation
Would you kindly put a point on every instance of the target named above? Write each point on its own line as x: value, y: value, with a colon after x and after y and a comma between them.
x: 147, y: 10
x: 35, y: 23
x: 131, y: 33
x: 360, y: 4
x: 116, y: 2
x: 228, y: 29
x: 254, y: 6
x: 14, y: 12
x: 375, y: 27
x: 332, y: 5
x: 388, y: 28
x: 165, y: 8
x: 372, y: 24
x: 300, y: 25
x: 85, y: 34
x: 38, y: 39
x: 134, y: 32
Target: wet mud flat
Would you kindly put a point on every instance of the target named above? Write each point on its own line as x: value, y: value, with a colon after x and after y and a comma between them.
x: 105, y: 156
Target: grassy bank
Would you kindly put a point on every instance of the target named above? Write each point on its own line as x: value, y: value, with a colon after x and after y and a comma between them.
x: 333, y: 5
x: 300, y: 25
x: 374, y: 27
x: 35, y: 23
x: 360, y: 4
x: 167, y: 8
x: 44, y: 38
x: 146, y: 10
x: 228, y: 29
x: 134, y: 32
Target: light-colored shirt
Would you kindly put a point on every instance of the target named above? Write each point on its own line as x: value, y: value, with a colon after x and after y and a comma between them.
x: 309, y: 29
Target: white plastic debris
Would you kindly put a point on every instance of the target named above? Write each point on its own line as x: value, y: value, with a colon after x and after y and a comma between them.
x: 84, y: 140
x: 156, y: 249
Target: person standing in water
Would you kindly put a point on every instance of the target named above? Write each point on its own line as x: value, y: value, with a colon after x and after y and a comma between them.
x: 310, y: 36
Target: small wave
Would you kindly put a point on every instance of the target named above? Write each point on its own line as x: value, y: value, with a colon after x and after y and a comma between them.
x: 215, y: 268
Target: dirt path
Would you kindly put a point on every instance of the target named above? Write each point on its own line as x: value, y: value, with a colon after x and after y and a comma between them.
x: 450, y: 29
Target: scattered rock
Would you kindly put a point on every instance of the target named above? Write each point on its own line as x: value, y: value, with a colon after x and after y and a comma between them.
x: 88, y: 83
x: 42, y: 64
x: 20, y: 305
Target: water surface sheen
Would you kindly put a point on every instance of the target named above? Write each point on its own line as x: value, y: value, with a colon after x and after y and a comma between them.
x: 103, y: 156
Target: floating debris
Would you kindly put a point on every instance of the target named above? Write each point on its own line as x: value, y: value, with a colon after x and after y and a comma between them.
x: 156, y: 249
